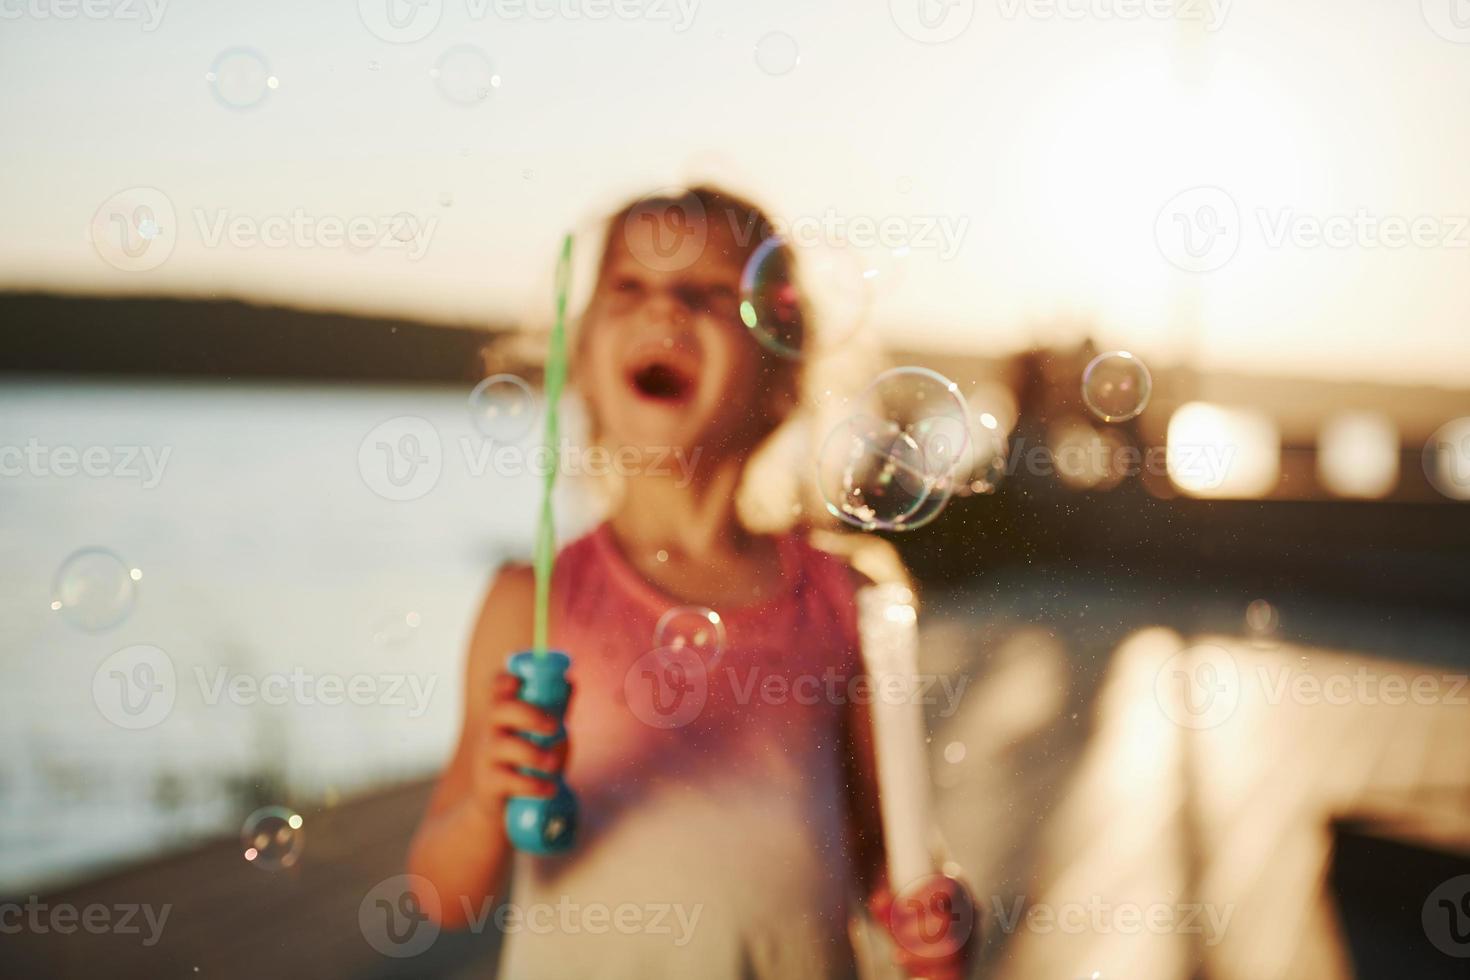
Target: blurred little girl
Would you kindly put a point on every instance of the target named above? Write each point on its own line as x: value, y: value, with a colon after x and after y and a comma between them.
x: 728, y: 807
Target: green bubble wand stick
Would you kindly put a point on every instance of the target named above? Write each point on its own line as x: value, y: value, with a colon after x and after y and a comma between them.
x: 534, y: 824
x: 556, y: 376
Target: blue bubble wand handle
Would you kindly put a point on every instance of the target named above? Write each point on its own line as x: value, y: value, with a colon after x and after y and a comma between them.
x: 540, y: 825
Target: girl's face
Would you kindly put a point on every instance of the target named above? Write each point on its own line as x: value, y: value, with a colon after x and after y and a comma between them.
x: 666, y: 362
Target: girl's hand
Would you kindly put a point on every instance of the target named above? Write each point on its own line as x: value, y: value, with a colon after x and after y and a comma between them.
x: 932, y: 925
x: 501, y: 751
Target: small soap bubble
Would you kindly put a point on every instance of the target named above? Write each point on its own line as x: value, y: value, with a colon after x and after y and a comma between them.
x: 1262, y: 620
x: 695, y: 628
x: 465, y: 75
x: 1116, y: 386
x: 94, y: 590
x: 240, y: 78
x: 273, y: 837
x: 777, y: 53
x: 395, y: 629
x: 503, y: 408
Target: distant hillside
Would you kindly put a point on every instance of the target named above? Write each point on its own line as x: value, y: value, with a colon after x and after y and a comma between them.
x: 226, y: 339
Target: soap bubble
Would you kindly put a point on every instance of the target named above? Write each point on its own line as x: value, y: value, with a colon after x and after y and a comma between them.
x: 272, y: 837
x: 393, y: 630
x: 1261, y: 621
x: 898, y: 460
x: 777, y: 53
x: 1116, y: 386
x: 770, y: 299
x: 94, y: 589
x: 695, y: 628
x: 503, y: 408
x: 928, y: 407
x: 795, y: 297
x: 870, y: 474
x: 465, y: 75
x: 240, y: 78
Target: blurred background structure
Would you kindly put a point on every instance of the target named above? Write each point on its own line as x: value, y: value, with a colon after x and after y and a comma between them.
x: 1215, y: 721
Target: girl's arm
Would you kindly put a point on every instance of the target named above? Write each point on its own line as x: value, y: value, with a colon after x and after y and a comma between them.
x: 460, y: 846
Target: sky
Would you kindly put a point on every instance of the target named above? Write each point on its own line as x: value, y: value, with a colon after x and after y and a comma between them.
x: 1244, y: 186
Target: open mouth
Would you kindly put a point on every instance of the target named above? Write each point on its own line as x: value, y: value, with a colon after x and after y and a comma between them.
x: 662, y: 379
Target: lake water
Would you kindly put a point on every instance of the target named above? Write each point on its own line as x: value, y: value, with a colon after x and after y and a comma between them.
x: 265, y: 552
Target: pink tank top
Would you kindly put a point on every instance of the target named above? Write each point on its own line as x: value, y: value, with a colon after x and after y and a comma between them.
x: 711, y: 794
